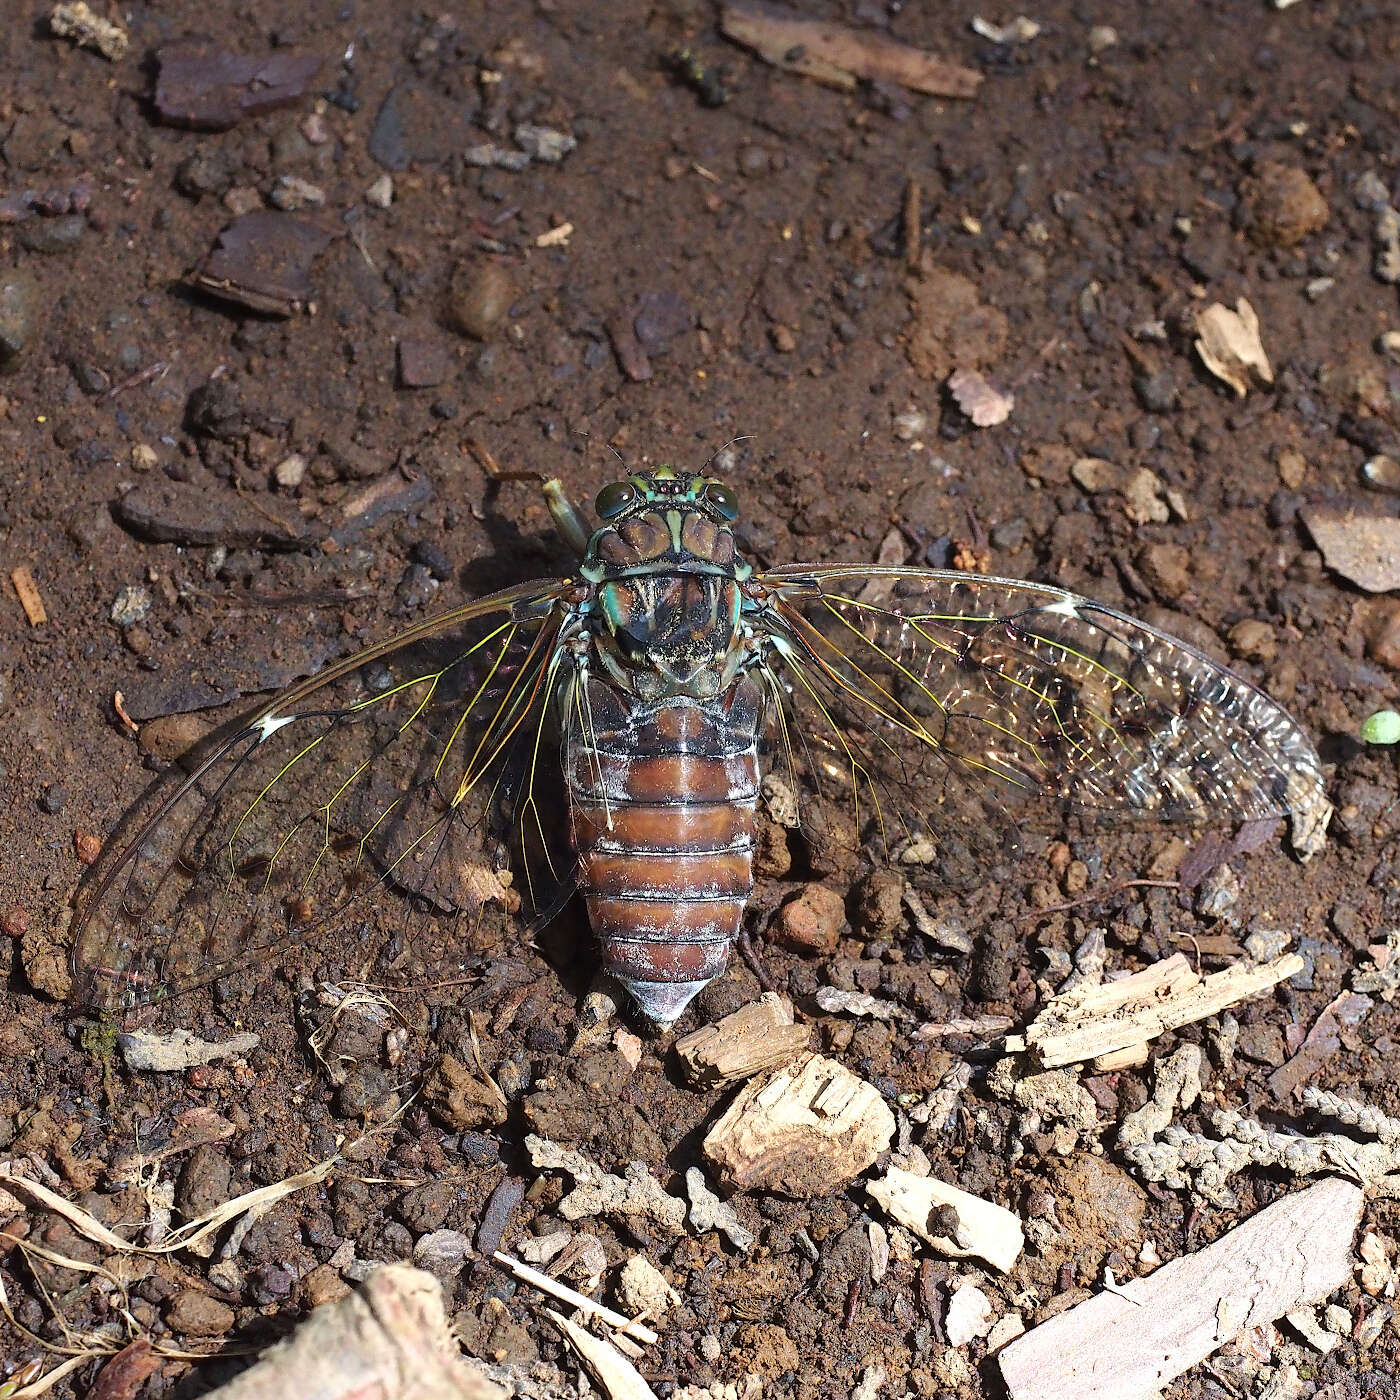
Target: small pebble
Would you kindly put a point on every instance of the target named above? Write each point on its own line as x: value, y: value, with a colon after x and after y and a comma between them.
x: 19, y: 300
x: 53, y: 235
x: 290, y: 472
x: 1381, y: 473
x: 195, y: 1314
x: 132, y: 605
x: 479, y: 297
x: 291, y: 192
x: 381, y: 193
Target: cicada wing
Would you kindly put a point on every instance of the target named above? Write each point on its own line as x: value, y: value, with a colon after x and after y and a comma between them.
x: 994, y: 700
x: 396, y: 771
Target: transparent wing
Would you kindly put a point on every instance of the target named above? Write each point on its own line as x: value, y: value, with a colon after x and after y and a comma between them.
x: 422, y: 766
x: 948, y: 694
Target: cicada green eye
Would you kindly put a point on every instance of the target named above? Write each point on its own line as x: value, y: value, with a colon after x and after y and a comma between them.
x: 724, y: 500
x: 614, y: 499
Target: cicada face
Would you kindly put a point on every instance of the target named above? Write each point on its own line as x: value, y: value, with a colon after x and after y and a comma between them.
x: 610, y: 730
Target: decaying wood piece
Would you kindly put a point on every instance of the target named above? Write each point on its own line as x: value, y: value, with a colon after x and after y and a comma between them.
x: 838, y: 56
x: 754, y: 1038
x: 1130, y: 1343
x: 1229, y: 345
x: 1102, y: 1022
x: 30, y: 599
x: 804, y: 1131
x: 949, y: 1219
x: 389, y: 1338
x: 616, y: 1376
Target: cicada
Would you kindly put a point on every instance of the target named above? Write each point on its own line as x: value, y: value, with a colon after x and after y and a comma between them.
x: 608, y: 733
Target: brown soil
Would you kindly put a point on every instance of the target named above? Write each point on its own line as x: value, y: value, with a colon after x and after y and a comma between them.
x: 752, y: 257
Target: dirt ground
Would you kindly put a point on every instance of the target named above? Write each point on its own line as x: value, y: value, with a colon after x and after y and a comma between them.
x: 215, y: 498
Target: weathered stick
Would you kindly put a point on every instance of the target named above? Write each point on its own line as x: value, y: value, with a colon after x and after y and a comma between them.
x: 1129, y: 1344
x: 1092, y: 1021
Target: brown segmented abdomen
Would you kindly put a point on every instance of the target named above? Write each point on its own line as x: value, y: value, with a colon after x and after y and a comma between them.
x: 662, y: 802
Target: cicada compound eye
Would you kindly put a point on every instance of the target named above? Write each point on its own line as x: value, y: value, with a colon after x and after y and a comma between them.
x: 614, y: 499
x: 724, y: 499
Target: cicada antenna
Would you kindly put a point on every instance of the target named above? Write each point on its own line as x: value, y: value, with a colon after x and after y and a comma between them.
x: 734, y: 441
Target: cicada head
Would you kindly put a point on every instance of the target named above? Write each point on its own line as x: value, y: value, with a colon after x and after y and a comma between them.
x: 667, y: 576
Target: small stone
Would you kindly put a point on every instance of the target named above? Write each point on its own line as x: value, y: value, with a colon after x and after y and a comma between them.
x: 1167, y: 568
x: 1253, y: 640
x: 969, y: 1315
x: 443, y: 1253
x: 205, y: 1182
x: 1383, y: 634
x: 381, y: 193
x: 290, y: 472
x: 1101, y: 38
x: 642, y: 1288
x: 880, y: 902
x: 19, y: 303
x: 324, y: 1285
x: 1381, y: 473
x: 1156, y: 392
x: 479, y: 297
x: 168, y: 736
x: 784, y: 341
x: 196, y: 1314
x: 291, y: 192
x: 53, y: 798
x: 460, y: 1100
x: 1292, y: 468
x: 423, y: 364
x: 811, y: 923
x: 1218, y: 893
x: 544, y: 143
x: 1284, y: 205
x: 132, y: 605
x: 143, y: 457
x: 53, y: 235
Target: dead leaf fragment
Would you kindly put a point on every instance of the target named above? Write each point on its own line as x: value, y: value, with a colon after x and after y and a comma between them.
x: 838, y: 57
x: 1364, y: 549
x: 1229, y: 345
x: 979, y: 398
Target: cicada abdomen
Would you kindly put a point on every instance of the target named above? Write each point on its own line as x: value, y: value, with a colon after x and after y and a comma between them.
x: 662, y: 797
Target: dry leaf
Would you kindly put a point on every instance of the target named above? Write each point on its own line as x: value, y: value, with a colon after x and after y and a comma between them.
x: 983, y: 403
x: 1229, y: 345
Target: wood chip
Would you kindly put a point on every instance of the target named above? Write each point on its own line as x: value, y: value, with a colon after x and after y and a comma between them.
x: 1113, y: 1017
x: 1129, y: 1343
x: 839, y: 57
x: 804, y: 1131
x: 752, y: 1039
x: 950, y: 1220
x: 29, y: 599
x: 616, y: 1376
x: 1364, y: 549
x: 1229, y: 345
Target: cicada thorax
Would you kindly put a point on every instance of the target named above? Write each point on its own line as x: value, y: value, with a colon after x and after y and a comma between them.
x: 662, y: 796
